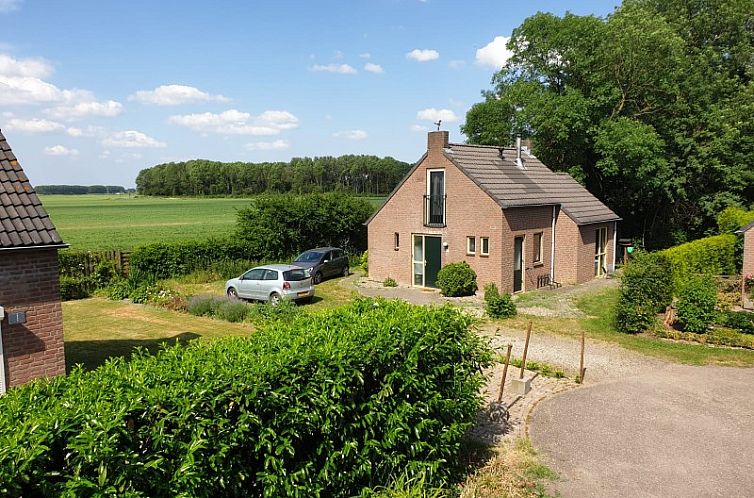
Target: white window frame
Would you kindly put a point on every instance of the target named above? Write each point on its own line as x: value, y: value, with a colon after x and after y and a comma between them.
x: 482, y: 240
x: 469, y: 240
x: 538, y: 257
x: 600, y: 255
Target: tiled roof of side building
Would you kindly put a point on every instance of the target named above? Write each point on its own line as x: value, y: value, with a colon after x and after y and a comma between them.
x: 23, y: 220
x: 494, y: 169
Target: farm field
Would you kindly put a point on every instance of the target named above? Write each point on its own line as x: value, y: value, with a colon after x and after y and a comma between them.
x: 104, y: 222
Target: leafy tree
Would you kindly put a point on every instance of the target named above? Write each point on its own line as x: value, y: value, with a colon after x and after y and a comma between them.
x: 649, y: 107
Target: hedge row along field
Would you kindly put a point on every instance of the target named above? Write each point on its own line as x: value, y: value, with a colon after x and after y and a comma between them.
x: 325, y: 405
x: 714, y: 255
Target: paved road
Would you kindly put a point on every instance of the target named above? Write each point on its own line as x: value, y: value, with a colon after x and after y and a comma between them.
x: 671, y: 431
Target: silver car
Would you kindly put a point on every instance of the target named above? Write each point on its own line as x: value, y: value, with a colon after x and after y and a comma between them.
x: 272, y: 283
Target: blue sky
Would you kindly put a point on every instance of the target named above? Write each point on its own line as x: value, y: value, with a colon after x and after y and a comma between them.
x: 91, y: 92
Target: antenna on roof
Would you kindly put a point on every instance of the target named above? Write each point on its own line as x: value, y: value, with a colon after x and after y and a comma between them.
x: 438, y: 123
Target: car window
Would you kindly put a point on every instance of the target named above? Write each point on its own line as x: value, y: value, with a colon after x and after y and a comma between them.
x: 255, y: 274
x: 337, y: 253
x: 295, y: 275
x: 271, y: 275
x: 309, y: 257
x: 328, y: 256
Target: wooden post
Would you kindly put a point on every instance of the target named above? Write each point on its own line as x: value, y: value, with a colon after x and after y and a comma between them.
x: 505, y: 373
x: 526, y: 350
x: 582, y: 370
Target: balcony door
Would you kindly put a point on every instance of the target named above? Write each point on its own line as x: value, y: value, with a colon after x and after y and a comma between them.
x: 427, y: 259
x: 435, y: 200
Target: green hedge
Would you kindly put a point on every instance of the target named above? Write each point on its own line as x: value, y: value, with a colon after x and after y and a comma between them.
x: 323, y: 405
x: 731, y: 219
x: 166, y: 260
x: 714, y: 255
x: 646, y: 289
x: 696, y: 303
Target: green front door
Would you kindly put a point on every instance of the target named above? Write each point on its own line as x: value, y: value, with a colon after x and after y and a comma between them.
x: 427, y: 259
x: 433, y: 253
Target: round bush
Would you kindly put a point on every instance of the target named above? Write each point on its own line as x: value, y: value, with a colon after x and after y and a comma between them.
x: 498, y: 305
x: 457, y: 279
x: 696, y: 304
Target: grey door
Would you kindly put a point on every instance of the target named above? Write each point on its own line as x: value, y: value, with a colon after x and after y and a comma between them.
x: 518, y: 264
x: 249, y: 285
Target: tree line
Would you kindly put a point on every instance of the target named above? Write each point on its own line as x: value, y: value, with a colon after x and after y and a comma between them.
x: 357, y: 174
x: 650, y: 108
x: 80, y: 189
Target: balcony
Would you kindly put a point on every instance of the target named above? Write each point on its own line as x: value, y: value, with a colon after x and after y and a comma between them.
x: 434, y: 211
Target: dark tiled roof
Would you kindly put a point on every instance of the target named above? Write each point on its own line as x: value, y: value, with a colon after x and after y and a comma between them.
x: 23, y: 220
x: 494, y: 169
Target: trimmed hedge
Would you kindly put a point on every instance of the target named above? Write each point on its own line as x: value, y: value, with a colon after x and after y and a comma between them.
x: 714, y: 255
x: 646, y: 289
x: 456, y: 279
x: 166, y: 260
x: 322, y: 405
x: 731, y: 219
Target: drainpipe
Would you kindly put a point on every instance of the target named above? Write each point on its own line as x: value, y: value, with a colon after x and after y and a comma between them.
x: 615, y: 241
x: 552, y: 247
x: 3, y: 387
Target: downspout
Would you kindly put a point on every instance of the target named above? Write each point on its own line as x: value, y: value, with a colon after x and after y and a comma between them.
x: 3, y: 386
x: 552, y: 247
x: 615, y: 242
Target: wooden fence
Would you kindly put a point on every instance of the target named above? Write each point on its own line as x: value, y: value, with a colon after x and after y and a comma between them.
x: 84, y: 264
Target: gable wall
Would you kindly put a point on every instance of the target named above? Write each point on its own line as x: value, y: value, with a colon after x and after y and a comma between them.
x: 29, y: 282
x: 748, y: 266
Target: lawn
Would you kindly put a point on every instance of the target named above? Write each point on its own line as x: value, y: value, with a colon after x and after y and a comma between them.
x: 598, y: 324
x: 101, y: 222
x: 93, y: 222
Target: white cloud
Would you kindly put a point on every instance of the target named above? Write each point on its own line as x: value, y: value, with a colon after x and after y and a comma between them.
x: 334, y: 68
x: 276, y: 145
x: 424, y: 55
x: 456, y: 64
x: 419, y: 128
x: 373, y: 68
x: 365, y: 55
x: 351, y: 134
x: 432, y: 114
x: 494, y: 54
x: 89, y: 131
x: 80, y: 110
x: 60, y: 150
x: 175, y: 95
x: 35, y: 125
x: 130, y: 139
x: 34, y: 68
x: 9, y: 5
x: 235, y: 122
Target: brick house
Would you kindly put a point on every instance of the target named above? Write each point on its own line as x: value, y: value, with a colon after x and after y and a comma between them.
x: 516, y: 222
x: 31, y: 321
x: 748, y: 266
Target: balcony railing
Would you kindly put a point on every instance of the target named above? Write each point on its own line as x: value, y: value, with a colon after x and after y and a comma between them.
x: 434, y: 210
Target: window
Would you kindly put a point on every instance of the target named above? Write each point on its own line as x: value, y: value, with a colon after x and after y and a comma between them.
x: 397, y: 239
x: 485, y: 243
x: 470, y: 245
x: 271, y: 275
x: 600, y: 252
x: 255, y: 274
x: 434, y: 200
x: 538, y: 247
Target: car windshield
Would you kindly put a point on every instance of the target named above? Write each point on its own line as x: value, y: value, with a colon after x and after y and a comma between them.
x: 295, y: 275
x: 309, y: 257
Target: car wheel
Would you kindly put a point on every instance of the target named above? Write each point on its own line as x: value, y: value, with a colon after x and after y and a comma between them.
x: 274, y: 299
x: 317, y: 278
x: 232, y: 293
x: 345, y: 271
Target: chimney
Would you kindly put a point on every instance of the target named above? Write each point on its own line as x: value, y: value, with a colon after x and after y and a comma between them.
x: 437, y: 140
x: 519, y: 162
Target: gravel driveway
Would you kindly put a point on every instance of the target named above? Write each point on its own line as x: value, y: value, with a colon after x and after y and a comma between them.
x: 669, y: 431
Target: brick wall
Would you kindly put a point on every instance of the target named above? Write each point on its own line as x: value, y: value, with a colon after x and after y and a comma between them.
x: 29, y: 282
x: 526, y: 222
x: 748, y: 266
x: 574, y: 249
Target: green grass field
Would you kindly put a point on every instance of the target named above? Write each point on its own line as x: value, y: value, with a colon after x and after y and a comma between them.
x: 93, y: 222
x: 100, y: 222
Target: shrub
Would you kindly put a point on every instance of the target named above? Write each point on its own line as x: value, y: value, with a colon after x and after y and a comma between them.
x: 696, y: 304
x: 390, y: 282
x: 731, y: 219
x: 739, y: 320
x: 277, y: 226
x: 74, y: 287
x: 711, y: 255
x: 498, y: 305
x: 646, y: 289
x: 457, y: 279
x: 202, y: 305
x: 324, y: 405
x: 232, y: 310
x: 364, y: 262
x: 266, y: 312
